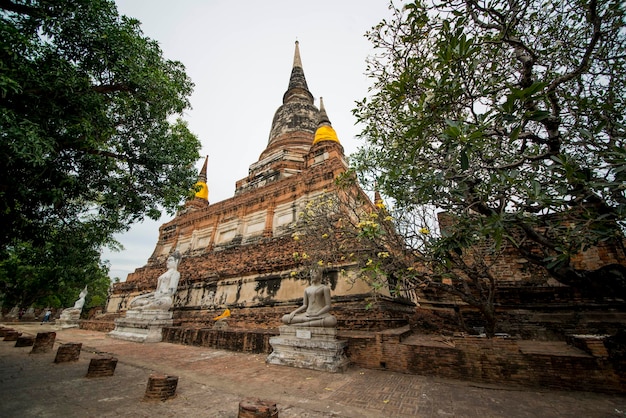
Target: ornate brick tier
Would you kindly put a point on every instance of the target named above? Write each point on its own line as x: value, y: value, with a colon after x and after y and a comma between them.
x: 238, y: 253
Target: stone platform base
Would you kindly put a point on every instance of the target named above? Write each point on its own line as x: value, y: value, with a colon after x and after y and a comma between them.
x: 70, y: 318
x: 67, y: 324
x: 144, y: 326
x: 309, y: 348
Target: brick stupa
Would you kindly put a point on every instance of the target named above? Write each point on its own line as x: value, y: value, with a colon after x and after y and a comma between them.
x: 238, y: 253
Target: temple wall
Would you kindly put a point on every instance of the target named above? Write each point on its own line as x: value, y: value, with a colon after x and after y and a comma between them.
x: 512, y: 269
x: 247, y: 291
x: 239, y: 252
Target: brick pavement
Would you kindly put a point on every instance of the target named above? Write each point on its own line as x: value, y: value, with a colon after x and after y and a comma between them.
x: 212, y: 382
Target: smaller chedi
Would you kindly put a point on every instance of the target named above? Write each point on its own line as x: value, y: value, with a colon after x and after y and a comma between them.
x: 150, y: 313
x: 308, y: 338
x: 70, y: 317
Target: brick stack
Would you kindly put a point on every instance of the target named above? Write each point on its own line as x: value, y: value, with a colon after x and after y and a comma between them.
x: 25, y: 341
x: 257, y: 408
x: 11, y: 335
x: 161, y: 387
x: 4, y: 330
x: 44, y: 342
x: 68, y: 352
x: 102, y: 367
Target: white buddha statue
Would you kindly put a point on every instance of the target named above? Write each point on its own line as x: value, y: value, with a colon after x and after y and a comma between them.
x: 315, y: 308
x: 163, y: 297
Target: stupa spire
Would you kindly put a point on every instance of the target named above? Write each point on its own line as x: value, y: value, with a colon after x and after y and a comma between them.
x: 324, y: 131
x: 323, y: 119
x: 202, y: 176
x: 292, y: 133
x: 298, y: 89
x: 203, y: 192
x: 297, y: 62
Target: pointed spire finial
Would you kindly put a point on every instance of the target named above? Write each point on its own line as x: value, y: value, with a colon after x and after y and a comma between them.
x: 325, y: 131
x: 202, y: 175
x: 378, y: 199
x: 298, y: 89
x: 297, y: 62
x: 323, y: 118
x: 203, y: 192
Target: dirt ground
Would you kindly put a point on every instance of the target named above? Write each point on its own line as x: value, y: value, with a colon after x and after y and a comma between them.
x: 212, y: 383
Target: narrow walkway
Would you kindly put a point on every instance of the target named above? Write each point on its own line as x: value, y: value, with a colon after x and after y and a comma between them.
x: 213, y: 382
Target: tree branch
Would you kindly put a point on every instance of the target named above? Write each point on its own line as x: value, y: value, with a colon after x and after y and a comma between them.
x: 19, y: 8
x: 584, y: 63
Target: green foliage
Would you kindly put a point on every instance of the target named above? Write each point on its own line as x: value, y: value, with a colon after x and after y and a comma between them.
x: 507, y: 115
x: 90, y: 139
x: 53, y: 273
x: 86, y: 110
x: 341, y: 229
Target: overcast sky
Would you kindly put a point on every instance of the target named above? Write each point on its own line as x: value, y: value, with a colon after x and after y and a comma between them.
x: 239, y: 55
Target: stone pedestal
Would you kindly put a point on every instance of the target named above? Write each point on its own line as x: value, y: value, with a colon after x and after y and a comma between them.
x: 69, y: 318
x: 220, y: 325
x: 143, y: 326
x: 257, y: 408
x: 309, y: 348
x: 68, y: 352
x: 160, y: 387
x: 5, y: 330
x: 101, y: 367
x: 11, y: 335
x: 25, y: 341
x: 44, y: 342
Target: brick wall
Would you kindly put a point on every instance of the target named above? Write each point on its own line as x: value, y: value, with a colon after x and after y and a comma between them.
x: 511, y: 266
x: 494, y: 361
x: 250, y: 341
x: 542, y: 312
x: 498, y: 360
x: 350, y: 312
x: 97, y: 325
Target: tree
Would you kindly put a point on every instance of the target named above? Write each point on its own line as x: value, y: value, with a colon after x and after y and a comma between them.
x: 341, y: 229
x: 51, y: 274
x: 89, y: 139
x: 509, y: 116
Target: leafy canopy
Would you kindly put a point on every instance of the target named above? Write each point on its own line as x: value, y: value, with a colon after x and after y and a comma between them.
x: 341, y: 229
x: 89, y: 133
x: 509, y: 115
x: 52, y: 275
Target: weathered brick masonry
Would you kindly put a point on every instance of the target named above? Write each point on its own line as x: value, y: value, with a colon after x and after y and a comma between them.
x: 238, y: 253
x: 592, y: 367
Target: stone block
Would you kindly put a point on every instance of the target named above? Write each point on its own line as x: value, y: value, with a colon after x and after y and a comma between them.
x: 4, y: 331
x: 309, y: 348
x: 160, y: 387
x: 11, y: 335
x: 25, y: 341
x: 68, y: 352
x: 44, y: 342
x: 102, y: 367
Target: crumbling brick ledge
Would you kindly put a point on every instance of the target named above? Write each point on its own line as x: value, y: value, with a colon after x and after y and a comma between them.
x: 548, y: 364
